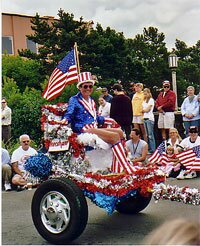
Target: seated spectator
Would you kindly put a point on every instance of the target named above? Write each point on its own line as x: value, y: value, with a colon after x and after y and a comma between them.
x: 104, y: 108
x: 175, y: 232
x: 137, y: 148
x: 170, y: 163
x: 190, y: 110
x: 18, y: 159
x: 174, y: 139
x: 189, y: 142
x: 6, y: 169
x: 106, y: 96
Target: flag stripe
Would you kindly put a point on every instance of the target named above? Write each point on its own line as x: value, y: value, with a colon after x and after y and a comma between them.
x: 64, y: 74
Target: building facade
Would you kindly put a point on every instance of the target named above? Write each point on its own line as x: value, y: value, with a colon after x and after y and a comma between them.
x: 15, y: 28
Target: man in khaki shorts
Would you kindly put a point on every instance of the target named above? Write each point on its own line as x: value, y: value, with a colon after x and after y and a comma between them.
x: 165, y: 104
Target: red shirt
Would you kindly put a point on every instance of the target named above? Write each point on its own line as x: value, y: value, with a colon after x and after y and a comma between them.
x: 167, y: 102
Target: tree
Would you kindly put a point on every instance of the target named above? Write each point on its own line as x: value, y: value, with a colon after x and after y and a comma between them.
x: 150, y: 55
x: 25, y: 72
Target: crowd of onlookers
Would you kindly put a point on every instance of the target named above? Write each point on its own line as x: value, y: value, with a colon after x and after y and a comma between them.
x: 134, y: 112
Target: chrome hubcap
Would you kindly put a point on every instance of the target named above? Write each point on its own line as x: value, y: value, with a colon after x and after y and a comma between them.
x: 55, y: 212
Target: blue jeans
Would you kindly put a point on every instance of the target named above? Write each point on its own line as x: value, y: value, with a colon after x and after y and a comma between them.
x: 149, y: 127
x: 187, y: 124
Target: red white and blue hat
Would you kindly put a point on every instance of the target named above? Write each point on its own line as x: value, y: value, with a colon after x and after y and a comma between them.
x: 85, y: 77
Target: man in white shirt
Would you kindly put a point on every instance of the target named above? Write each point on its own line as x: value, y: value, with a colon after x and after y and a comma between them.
x: 192, y: 141
x: 5, y: 120
x: 19, y: 157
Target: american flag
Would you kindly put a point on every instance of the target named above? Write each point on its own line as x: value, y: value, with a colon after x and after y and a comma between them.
x: 187, y: 157
x: 64, y: 74
x: 157, y: 155
x: 196, y: 164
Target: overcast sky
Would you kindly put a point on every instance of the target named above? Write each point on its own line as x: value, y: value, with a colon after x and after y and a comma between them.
x: 175, y: 18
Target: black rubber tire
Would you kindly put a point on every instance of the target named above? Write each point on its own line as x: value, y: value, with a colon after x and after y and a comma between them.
x: 133, y: 204
x: 78, y: 210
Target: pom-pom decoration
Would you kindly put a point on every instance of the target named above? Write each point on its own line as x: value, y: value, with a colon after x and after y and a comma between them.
x: 38, y: 165
x: 179, y: 194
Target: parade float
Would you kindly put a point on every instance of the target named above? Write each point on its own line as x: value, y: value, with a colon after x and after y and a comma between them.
x: 74, y: 169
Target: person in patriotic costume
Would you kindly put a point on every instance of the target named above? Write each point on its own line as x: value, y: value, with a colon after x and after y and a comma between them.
x: 82, y: 115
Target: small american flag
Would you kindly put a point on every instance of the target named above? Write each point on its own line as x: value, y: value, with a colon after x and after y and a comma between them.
x: 64, y: 74
x: 196, y: 164
x: 187, y: 157
x: 157, y: 155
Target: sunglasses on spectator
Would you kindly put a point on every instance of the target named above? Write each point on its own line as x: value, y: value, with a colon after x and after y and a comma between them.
x: 3, y: 102
x: 193, y: 131
x: 166, y: 86
x: 26, y: 141
x: 87, y: 86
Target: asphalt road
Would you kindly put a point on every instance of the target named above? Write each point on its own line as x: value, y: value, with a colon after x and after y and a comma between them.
x: 102, y: 229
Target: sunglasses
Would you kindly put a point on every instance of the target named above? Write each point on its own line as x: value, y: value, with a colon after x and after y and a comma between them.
x: 87, y: 86
x: 193, y: 131
x: 3, y: 102
x: 166, y: 86
x: 26, y: 141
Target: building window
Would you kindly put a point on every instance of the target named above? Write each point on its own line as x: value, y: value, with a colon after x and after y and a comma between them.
x: 7, y: 45
x: 32, y: 46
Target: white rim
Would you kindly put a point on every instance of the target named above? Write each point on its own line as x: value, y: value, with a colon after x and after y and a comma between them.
x: 55, y: 212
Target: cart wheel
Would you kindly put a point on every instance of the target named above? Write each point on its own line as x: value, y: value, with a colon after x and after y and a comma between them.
x: 133, y: 204
x: 59, y: 210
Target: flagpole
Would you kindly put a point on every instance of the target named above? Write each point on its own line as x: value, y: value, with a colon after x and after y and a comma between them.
x: 77, y: 58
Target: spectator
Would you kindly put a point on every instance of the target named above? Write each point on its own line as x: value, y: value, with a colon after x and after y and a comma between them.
x: 170, y: 163
x: 147, y: 109
x: 132, y: 89
x: 189, y: 142
x: 19, y: 157
x: 174, y: 139
x: 190, y: 109
x: 106, y: 96
x: 81, y: 113
x: 165, y: 104
x: 104, y: 107
x: 121, y: 109
x: 136, y: 147
x: 137, y: 101
x: 5, y: 121
x: 6, y: 169
x: 175, y: 232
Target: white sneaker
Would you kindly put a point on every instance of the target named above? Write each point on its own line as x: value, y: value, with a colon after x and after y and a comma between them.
x: 7, y: 187
x: 181, y: 175
x: 191, y: 175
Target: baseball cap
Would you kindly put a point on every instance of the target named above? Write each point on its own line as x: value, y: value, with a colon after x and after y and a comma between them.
x: 193, y: 129
x: 166, y: 82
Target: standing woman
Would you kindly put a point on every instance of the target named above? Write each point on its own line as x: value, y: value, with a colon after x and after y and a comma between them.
x: 147, y: 109
x: 137, y: 101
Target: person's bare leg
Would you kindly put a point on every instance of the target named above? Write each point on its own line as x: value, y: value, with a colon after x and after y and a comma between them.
x: 108, y: 135
x: 164, y: 134
x: 136, y: 125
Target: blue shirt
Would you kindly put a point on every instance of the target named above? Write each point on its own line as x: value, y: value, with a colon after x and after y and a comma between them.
x: 5, y: 157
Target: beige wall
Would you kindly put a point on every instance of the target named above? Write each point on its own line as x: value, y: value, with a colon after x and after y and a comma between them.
x: 17, y: 26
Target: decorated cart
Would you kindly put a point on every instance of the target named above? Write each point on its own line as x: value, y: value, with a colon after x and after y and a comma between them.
x: 77, y: 167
